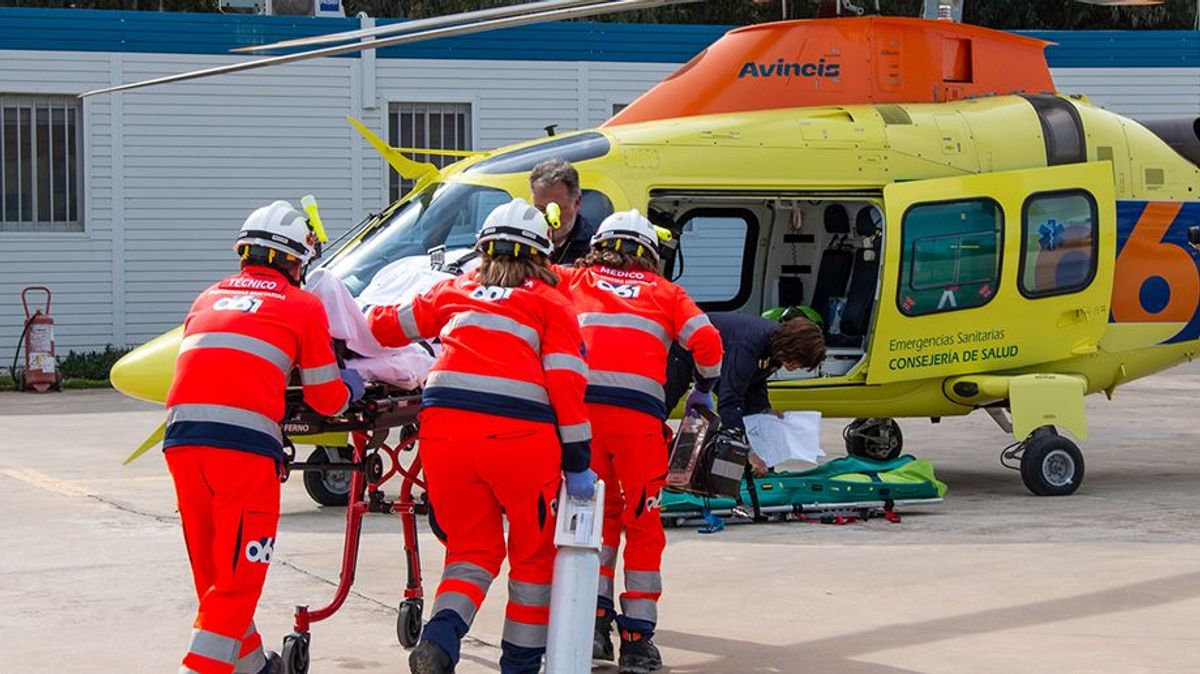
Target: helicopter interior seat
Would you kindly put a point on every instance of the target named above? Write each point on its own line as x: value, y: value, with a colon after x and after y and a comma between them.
x: 860, y: 296
x: 837, y: 261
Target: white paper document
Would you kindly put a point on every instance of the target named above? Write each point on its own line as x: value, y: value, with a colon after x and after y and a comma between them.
x: 795, y: 437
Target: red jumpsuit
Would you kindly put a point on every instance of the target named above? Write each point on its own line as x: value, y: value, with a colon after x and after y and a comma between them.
x: 223, y: 446
x: 628, y: 319
x: 504, y: 416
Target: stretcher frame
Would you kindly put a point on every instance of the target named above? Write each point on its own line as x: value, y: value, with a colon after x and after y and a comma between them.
x: 369, y: 423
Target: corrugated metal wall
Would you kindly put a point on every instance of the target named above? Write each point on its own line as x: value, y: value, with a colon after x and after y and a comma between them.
x: 171, y: 172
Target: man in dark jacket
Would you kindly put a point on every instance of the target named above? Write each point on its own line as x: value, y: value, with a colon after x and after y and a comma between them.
x: 754, y: 349
x: 556, y: 181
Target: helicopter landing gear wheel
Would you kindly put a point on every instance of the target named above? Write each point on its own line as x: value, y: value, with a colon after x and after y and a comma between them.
x: 332, y: 487
x: 876, y: 439
x: 1051, y: 465
x: 294, y: 655
x: 408, y: 623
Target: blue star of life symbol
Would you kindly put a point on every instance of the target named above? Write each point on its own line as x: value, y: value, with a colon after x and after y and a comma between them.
x: 1051, y: 235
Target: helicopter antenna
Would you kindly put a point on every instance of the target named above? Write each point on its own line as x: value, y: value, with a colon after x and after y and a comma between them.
x: 418, y: 24
x: 594, y: 9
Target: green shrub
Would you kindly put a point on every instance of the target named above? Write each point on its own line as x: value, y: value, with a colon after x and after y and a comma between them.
x: 89, y: 364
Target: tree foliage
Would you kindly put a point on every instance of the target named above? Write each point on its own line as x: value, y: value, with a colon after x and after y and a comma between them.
x: 1007, y: 14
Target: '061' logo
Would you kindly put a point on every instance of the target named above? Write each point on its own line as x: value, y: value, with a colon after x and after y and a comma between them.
x: 260, y: 551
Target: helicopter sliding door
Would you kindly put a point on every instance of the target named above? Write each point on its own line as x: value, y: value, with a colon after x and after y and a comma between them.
x: 994, y: 272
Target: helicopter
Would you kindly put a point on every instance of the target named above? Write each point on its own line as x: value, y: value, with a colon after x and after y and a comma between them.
x: 970, y: 238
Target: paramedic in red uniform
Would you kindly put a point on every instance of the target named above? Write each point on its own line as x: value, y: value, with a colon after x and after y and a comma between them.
x: 241, y: 341
x: 503, y: 420
x: 629, y: 315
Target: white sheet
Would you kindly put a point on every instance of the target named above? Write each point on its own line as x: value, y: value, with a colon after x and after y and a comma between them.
x: 795, y: 437
x: 405, y: 367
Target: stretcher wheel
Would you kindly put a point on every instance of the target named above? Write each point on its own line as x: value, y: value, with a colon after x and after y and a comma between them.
x: 329, y: 488
x: 374, y: 468
x: 408, y: 623
x: 1051, y: 465
x: 295, y: 654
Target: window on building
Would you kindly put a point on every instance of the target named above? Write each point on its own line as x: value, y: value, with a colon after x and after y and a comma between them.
x: 617, y: 107
x: 430, y: 126
x: 717, y: 257
x: 1059, y: 233
x: 41, y: 142
x: 951, y: 256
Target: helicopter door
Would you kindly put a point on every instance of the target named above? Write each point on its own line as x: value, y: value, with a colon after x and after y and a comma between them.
x: 994, y: 272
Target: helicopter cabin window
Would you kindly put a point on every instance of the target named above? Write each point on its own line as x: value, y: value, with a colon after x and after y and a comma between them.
x: 41, y: 143
x: 432, y: 126
x: 1059, y: 236
x: 716, y: 258
x: 951, y: 256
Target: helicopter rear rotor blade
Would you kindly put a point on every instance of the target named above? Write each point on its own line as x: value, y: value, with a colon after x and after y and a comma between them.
x: 419, y: 24
x: 610, y: 7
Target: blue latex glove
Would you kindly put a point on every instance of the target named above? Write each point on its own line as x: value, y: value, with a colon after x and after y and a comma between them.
x: 355, y: 383
x: 581, y: 485
x: 700, y: 399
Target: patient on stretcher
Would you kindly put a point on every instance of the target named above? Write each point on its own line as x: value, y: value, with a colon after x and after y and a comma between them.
x: 405, y: 367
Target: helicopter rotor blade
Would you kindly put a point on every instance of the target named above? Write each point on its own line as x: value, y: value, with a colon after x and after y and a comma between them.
x: 610, y: 7
x: 419, y: 24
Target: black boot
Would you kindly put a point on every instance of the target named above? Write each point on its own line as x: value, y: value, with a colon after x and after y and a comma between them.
x: 639, y: 655
x: 602, y: 645
x: 274, y: 664
x: 429, y: 658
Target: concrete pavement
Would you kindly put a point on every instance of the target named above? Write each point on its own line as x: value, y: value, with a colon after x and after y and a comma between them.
x: 94, y: 577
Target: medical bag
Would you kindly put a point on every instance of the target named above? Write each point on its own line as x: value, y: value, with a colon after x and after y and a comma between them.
x: 705, y: 460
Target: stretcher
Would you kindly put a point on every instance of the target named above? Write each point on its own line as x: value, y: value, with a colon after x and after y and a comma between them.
x: 375, y: 458
x: 839, y: 492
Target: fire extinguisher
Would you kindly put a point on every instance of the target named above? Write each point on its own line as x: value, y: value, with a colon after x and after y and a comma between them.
x: 40, y: 372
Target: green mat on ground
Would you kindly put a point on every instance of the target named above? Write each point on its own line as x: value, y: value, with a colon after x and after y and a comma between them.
x: 846, y: 480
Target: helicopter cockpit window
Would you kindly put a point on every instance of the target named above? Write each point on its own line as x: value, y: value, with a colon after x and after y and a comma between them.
x: 442, y: 214
x: 950, y: 257
x: 576, y: 148
x: 1058, y: 243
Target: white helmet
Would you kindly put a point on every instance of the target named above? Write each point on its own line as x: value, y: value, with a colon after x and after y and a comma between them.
x: 280, y: 227
x: 514, y: 225
x: 629, y: 226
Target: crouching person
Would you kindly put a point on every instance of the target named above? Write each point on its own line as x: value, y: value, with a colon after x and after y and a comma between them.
x: 241, y: 340
x: 503, y: 420
x: 629, y: 315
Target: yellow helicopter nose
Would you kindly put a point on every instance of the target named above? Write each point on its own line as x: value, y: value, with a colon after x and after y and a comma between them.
x: 147, y: 371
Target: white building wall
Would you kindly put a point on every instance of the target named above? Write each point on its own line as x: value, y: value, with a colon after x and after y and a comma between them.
x: 170, y: 172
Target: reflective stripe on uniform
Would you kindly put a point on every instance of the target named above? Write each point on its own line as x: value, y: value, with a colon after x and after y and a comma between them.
x: 528, y: 594
x: 488, y: 384
x: 456, y: 602
x: 252, y: 663
x: 606, y: 587
x: 224, y: 414
x: 625, y: 380
x: 187, y: 670
x: 575, y: 432
x: 236, y: 342
x: 563, y: 361
x: 709, y: 371
x: 608, y: 556
x: 693, y: 324
x: 214, y: 646
x: 312, y: 376
x: 631, y: 321
x: 643, y: 581
x: 497, y: 323
x: 408, y: 323
x: 470, y: 573
x: 639, y: 609
x: 524, y: 634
